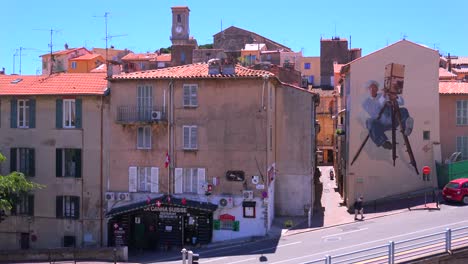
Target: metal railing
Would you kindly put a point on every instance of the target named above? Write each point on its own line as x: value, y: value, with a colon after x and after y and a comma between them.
x: 402, y: 251
x: 135, y: 114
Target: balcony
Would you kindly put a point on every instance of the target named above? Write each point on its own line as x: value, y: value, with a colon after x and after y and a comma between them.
x: 136, y: 115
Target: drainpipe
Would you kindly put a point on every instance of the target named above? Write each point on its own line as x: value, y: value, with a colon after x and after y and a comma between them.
x: 101, y: 183
x: 170, y: 136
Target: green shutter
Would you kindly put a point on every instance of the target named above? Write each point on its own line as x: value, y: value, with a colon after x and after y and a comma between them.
x: 235, y: 226
x: 13, y: 159
x: 31, y: 205
x: 216, y: 224
x: 59, y: 113
x: 79, y: 113
x: 76, y: 201
x: 58, y: 163
x: 32, y: 113
x: 13, y: 207
x: 32, y: 163
x: 14, y: 113
x: 59, y: 206
x: 78, y: 163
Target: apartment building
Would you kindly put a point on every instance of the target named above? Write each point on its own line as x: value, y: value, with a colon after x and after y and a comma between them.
x: 51, y: 129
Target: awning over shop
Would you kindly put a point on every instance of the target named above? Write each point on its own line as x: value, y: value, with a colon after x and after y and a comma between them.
x: 165, y: 200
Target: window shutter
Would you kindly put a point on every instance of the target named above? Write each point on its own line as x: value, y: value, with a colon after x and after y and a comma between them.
x: 58, y: 163
x: 154, y: 179
x: 194, y: 96
x: 186, y: 137
x: 31, y: 205
x: 79, y: 113
x: 59, y: 113
x: 32, y: 113
x: 76, y: 201
x: 32, y: 163
x: 193, y: 137
x: 78, y: 163
x: 186, y: 95
x: 13, y: 159
x: 14, y: 113
x: 178, y: 180
x: 132, y: 179
x: 201, y: 180
x: 13, y: 207
x: 59, y: 206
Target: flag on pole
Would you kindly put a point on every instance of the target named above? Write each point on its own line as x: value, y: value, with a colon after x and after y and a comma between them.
x: 168, y: 159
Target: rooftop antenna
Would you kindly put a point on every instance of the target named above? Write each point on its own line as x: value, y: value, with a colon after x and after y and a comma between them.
x: 14, y: 59
x: 107, y: 38
x: 21, y: 54
x: 50, y: 46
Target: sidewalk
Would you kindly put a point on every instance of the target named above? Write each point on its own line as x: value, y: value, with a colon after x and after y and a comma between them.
x: 333, y: 212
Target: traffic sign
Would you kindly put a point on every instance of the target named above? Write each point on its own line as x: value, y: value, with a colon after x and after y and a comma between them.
x: 426, y: 170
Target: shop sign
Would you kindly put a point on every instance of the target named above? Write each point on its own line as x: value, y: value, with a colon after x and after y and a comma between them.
x: 166, y: 209
x: 119, y: 235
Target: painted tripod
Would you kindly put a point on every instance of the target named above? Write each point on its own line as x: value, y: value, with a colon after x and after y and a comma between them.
x: 396, y: 117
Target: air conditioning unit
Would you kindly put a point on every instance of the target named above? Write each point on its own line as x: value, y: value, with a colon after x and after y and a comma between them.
x: 227, y: 202
x: 123, y: 196
x: 110, y: 196
x: 155, y: 115
x: 247, y: 195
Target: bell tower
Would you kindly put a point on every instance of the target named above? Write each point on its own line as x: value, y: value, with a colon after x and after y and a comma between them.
x: 182, y: 44
x: 180, y: 25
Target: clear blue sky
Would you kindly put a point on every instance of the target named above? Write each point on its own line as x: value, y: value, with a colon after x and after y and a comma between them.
x: 442, y: 25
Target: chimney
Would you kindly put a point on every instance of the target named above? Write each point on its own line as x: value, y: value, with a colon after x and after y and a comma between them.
x: 449, y: 62
x: 2, y: 72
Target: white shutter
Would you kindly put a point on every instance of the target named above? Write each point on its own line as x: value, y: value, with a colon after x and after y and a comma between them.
x: 132, y: 179
x: 154, y: 179
x: 178, y: 180
x: 193, y: 96
x: 201, y: 180
x: 186, y: 95
x: 193, y: 137
x: 186, y: 132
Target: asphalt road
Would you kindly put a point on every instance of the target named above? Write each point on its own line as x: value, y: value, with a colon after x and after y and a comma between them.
x: 309, y: 246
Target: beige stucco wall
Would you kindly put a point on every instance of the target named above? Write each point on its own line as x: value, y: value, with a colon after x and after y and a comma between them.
x: 449, y: 130
x: 314, y: 68
x: 373, y: 173
x: 295, y: 137
x: 231, y: 132
x: 45, y: 138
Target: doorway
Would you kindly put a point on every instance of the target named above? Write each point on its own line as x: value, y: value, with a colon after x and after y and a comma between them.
x: 24, y: 241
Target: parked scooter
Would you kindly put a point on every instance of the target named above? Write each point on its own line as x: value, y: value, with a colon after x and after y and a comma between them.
x: 332, y: 175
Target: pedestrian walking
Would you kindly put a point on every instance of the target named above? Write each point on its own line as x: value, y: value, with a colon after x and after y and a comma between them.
x: 358, y: 208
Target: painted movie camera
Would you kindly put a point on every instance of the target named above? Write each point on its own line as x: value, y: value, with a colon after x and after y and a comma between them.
x: 394, y: 78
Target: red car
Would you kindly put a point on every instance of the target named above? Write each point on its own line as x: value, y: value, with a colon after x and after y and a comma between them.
x: 456, y: 190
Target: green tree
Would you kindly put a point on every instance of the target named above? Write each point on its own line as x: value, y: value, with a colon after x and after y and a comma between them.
x: 206, y: 46
x: 12, y: 185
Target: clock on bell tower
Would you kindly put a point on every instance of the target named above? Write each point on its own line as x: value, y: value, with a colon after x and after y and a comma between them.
x: 180, y: 25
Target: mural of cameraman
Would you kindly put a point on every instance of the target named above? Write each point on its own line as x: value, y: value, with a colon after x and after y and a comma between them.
x: 377, y: 126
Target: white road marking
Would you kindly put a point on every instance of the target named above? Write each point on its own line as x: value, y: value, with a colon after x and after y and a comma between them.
x: 215, y: 259
x: 344, y: 233
x: 322, y: 254
x: 244, y: 260
x: 285, y: 245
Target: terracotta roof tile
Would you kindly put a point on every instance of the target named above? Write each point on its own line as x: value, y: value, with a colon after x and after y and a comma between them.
x: 190, y: 71
x: 87, y: 57
x: 162, y: 58
x: 139, y: 56
x: 444, y: 73
x: 462, y: 70
x: 61, y: 52
x: 459, y: 60
x: 56, y: 84
x: 453, y: 87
